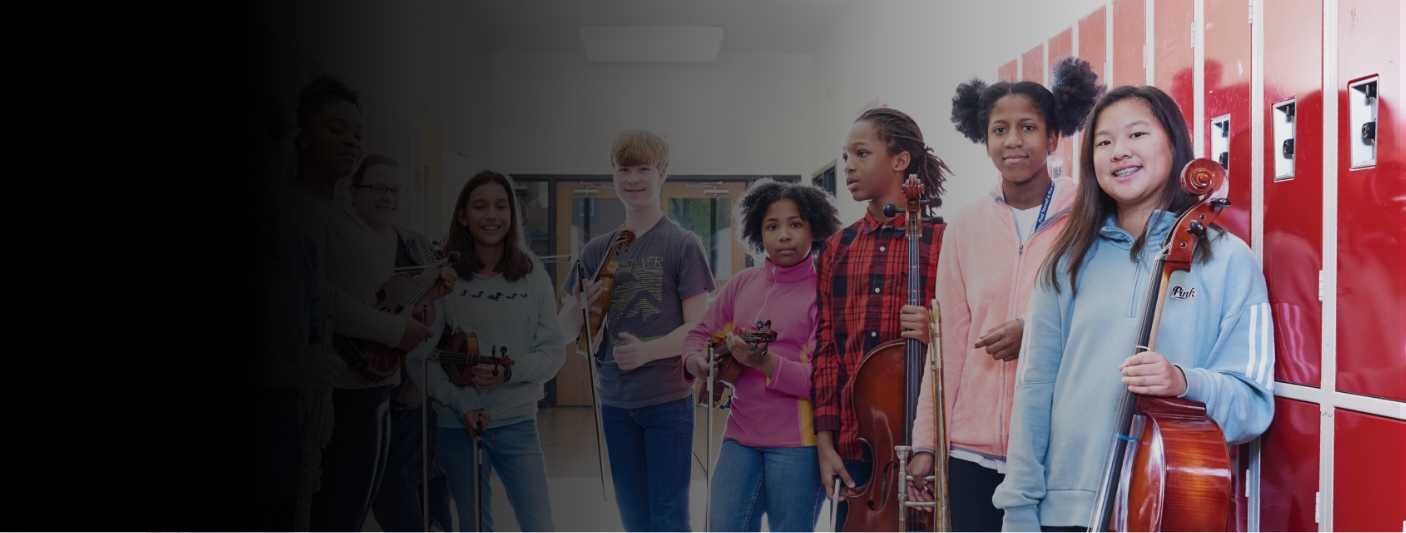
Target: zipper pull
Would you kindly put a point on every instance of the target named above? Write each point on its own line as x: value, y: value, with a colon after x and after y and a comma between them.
x: 1021, y: 251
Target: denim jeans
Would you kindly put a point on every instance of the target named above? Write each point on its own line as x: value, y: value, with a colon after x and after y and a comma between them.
x: 651, y: 449
x: 354, y: 460
x: 516, y: 452
x: 784, y: 483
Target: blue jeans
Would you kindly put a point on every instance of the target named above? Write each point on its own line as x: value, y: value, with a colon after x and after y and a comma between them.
x: 651, y: 450
x: 782, y: 482
x: 517, y: 454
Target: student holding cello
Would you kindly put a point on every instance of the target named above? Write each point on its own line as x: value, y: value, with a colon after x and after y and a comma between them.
x: 1215, y: 344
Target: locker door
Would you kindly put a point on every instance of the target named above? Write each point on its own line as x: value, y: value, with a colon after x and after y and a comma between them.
x: 1369, y: 472
x: 1032, y: 64
x: 1093, y: 47
x: 1289, y: 468
x: 1371, y: 201
x: 1061, y: 162
x: 1129, y: 42
x: 1293, y: 184
x: 1227, y: 74
x: 1008, y: 72
x: 1172, y: 55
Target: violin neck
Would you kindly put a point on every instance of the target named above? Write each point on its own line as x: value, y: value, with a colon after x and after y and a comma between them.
x: 421, y: 291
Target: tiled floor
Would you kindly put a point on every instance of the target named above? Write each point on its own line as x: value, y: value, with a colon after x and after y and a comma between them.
x: 573, y: 477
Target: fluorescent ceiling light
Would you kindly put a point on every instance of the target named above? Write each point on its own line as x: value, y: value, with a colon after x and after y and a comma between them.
x: 652, y: 43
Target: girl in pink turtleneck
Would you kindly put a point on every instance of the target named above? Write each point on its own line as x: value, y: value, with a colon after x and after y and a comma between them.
x: 768, y: 460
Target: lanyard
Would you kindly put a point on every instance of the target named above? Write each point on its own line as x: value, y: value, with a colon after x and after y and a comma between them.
x: 1044, y: 207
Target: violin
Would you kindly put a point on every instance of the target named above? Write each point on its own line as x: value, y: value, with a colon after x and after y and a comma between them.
x: 885, y: 412
x: 374, y: 361
x: 1168, y: 465
x: 728, y: 368
x: 596, y: 312
x: 458, y: 353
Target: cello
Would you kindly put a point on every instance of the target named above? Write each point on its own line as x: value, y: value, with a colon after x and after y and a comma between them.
x: 885, y: 413
x: 1168, y: 466
x: 374, y: 361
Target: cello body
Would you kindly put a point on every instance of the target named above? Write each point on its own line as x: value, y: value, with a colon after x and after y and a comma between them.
x: 880, y: 406
x: 1180, y: 475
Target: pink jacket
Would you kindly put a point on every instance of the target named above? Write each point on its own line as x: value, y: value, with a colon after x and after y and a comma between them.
x: 768, y: 411
x: 984, y: 279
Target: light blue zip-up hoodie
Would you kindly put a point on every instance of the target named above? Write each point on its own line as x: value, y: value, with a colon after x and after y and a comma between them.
x: 1215, y: 326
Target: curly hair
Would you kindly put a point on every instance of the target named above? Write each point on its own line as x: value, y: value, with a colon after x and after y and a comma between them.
x: 1076, y: 88
x: 900, y: 133
x: 320, y: 91
x: 816, y: 206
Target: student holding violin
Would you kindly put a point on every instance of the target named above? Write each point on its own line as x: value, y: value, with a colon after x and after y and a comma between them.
x: 376, y: 189
x: 863, y: 268
x: 505, y: 299
x: 350, y: 261
x: 661, y: 290
x: 1215, y: 344
x: 768, y: 461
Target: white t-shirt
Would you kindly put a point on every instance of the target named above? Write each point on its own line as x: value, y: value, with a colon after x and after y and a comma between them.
x: 1025, y: 222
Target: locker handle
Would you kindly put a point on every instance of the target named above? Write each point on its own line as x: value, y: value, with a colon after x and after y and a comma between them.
x: 1369, y: 132
x: 1224, y: 160
x: 1288, y: 148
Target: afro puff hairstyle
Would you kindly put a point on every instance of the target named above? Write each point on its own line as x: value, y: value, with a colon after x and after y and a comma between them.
x: 816, y: 206
x: 320, y: 91
x: 1076, y: 88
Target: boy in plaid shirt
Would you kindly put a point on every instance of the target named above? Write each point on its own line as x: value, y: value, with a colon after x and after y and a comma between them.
x: 862, y: 281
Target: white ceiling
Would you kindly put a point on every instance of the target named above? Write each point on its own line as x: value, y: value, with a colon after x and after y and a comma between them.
x: 553, y: 26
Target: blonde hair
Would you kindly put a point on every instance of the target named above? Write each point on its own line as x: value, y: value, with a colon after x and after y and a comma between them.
x: 633, y: 147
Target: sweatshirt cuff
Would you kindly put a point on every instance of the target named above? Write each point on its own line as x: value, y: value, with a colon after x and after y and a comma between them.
x: 1023, y: 518
x: 389, y: 330
x: 1196, y: 385
x: 827, y: 423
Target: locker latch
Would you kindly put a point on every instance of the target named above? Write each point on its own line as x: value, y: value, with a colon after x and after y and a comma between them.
x: 1288, y: 148
x: 1284, y: 132
x: 1362, y: 125
x: 1220, y: 140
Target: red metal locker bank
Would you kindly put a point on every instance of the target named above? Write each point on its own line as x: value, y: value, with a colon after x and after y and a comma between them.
x: 1061, y: 46
x: 1371, y: 201
x: 1293, y: 183
x: 1129, y: 42
x: 1289, y: 480
x: 1369, y: 472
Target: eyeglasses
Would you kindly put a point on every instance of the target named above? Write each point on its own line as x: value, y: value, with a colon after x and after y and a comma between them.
x: 378, y: 189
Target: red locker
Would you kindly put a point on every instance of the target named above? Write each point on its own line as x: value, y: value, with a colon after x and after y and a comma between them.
x: 1227, y: 127
x: 1289, y: 468
x: 1172, y: 55
x: 1093, y: 41
x: 1061, y: 46
x: 1032, y: 64
x: 1092, y: 48
x: 1371, y: 357
x: 1008, y: 72
x: 1369, y: 472
x: 1293, y: 184
x: 1129, y: 40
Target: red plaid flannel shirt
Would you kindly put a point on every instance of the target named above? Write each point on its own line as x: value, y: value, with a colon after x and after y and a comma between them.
x: 862, y: 281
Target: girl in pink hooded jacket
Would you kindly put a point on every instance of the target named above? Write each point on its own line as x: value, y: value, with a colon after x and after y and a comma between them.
x: 992, y: 254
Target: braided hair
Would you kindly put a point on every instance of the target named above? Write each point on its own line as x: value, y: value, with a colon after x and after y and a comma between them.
x: 900, y: 133
x: 1064, y: 108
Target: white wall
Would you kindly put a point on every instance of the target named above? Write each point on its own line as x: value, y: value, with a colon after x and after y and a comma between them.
x: 558, y: 113
x: 912, y: 54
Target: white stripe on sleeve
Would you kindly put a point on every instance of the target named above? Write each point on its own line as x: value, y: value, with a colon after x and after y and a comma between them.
x: 1264, y: 347
x: 1254, y: 322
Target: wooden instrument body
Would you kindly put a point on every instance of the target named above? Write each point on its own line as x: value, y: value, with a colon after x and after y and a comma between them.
x: 398, y: 295
x: 879, y: 405
x: 459, y: 352
x: 728, y: 368
x: 596, y: 311
x: 1180, y: 475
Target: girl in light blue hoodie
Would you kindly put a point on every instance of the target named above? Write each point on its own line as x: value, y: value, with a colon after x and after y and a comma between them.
x: 1215, y: 344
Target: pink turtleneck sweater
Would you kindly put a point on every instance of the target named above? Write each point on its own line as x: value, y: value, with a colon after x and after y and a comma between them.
x: 768, y: 411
